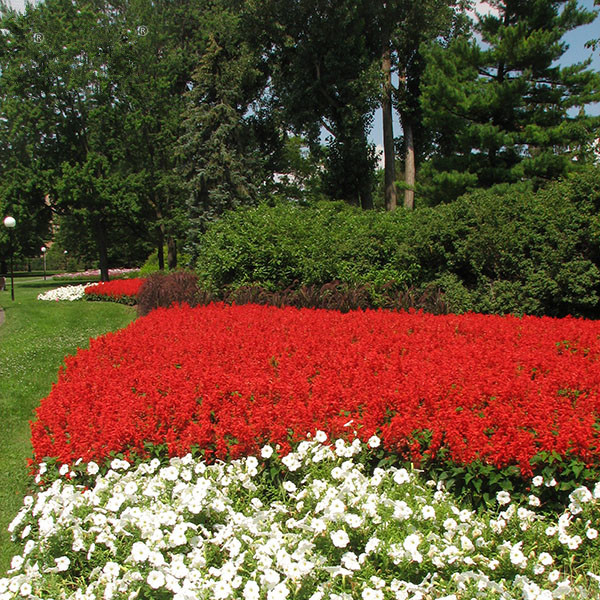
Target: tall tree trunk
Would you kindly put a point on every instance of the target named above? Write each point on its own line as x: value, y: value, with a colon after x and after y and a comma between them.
x: 102, y: 246
x: 391, y: 198
x: 409, y: 164
x: 161, y: 253
x: 3, y: 267
x: 161, y: 233
x: 366, y: 198
x: 171, y: 253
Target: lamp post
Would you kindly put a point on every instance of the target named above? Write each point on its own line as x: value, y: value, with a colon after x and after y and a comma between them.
x: 66, y: 252
x: 44, y: 249
x: 9, y: 223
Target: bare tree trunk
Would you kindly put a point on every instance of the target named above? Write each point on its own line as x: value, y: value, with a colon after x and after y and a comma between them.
x: 161, y: 253
x: 171, y: 253
x: 102, y: 246
x: 389, y: 169
x: 409, y: 164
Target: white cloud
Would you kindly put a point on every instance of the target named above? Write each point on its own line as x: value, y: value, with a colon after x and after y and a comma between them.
x: 20, y: 4
x: 483, y: 8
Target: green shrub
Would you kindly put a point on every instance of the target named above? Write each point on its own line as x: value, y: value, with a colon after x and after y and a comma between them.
x: 151, y: 264
x: 504, y: 250
x: 275, y: 246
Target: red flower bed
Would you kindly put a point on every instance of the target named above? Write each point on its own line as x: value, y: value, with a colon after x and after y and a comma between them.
x: 117, y: 289
x: 229, y: 378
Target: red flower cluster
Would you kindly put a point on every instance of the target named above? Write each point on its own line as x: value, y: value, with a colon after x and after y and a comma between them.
x: 117, y: 289
x: 227, y: 379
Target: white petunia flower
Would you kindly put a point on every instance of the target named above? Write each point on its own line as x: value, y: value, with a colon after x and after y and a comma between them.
x: 517, y: 557
x: 428, y: 512
x: 401, y: 476
x: 251, y: 590
x: 155, y: 579
x: 353, y: 520
x: 503, y: 497
x: 320, y: 436
x: 350, y: 561
x: 139, y: 552
x: 221, y: 590
x: 371, y: 594
x: 291, y: 461
x: 553, y: 576
x: 372, y: 545
x: 279, y: 592
x: 62, y: 563
x: 574, y: 542
x: 340, y: 538
x: 289, y: 486
x: 545, y: 559
x: 92, y: 468
x: 111, y: 569
x: 581, y: 495
x: 374, y: 442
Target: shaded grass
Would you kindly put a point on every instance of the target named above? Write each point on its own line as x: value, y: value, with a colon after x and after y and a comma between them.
x: 34, y: 339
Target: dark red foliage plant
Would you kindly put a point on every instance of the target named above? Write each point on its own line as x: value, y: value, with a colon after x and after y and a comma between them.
x: 165, y: 289
x: 227, y: 379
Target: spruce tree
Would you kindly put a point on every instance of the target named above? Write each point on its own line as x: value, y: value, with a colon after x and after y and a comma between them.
x: 503, y: 108
x: 219, y: 153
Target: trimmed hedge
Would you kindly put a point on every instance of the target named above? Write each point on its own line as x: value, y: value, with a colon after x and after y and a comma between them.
x: 505, y: 250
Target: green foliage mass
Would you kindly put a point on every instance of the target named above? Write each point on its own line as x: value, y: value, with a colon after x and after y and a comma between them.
x: 507, y: 111
x: 282, y: 244
x: 151, y: 265
x: 504, y: 250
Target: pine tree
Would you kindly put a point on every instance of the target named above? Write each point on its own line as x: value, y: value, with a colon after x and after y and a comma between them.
x: 218, y: 151
x: 503, y: 109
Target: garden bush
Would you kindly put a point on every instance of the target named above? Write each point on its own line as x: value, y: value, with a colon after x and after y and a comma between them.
x: 343, y: 297
x: 164, y: 289
x: 283, y: 245
x: 515, y: 251
x: 505, y: 250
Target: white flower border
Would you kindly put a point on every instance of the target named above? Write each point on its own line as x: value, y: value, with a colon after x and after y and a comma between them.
x: 189, y: 530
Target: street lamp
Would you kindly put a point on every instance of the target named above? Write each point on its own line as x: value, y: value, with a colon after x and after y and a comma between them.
x: 66, y: 252
x: 9, y: 223
x: 44, y: 249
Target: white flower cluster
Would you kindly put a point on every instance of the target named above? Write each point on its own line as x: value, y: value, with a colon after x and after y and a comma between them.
x: 66, y: 292
x: 312, y: 525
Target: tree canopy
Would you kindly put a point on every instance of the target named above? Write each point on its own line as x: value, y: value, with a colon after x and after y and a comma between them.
x: 503, y: 108
x: 132, y: 123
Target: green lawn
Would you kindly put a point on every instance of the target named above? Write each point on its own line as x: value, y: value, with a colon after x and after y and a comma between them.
x: 34, y: 339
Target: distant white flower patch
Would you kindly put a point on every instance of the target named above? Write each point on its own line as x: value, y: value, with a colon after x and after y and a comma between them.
x: 67, y: 292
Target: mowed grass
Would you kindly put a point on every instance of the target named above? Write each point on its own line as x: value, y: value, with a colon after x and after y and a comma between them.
x: 34, y: 339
